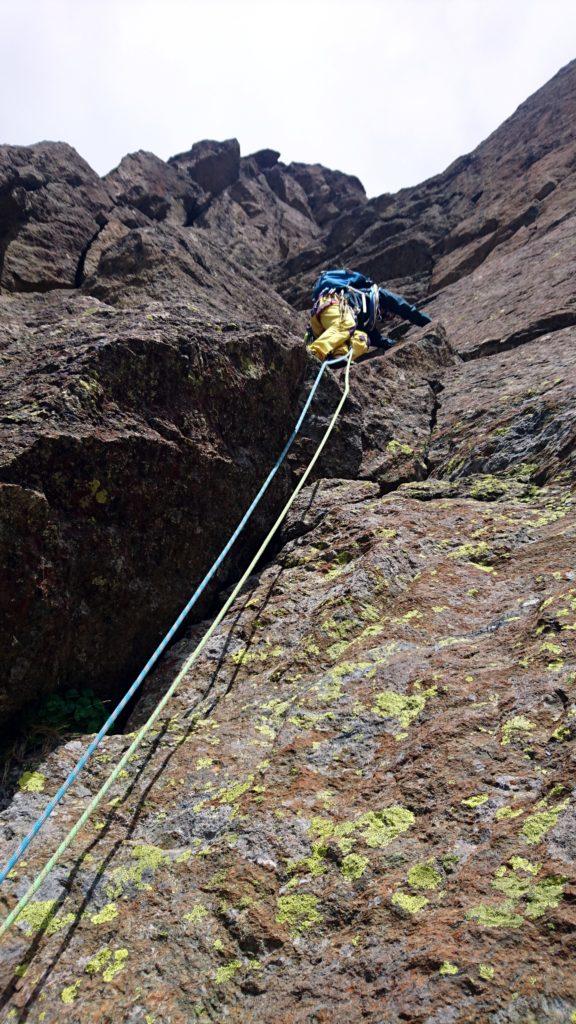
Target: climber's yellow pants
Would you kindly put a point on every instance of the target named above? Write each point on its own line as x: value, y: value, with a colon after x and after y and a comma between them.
x: 331, y: 330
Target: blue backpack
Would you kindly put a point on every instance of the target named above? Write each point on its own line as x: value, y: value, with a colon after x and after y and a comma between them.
x: 361, y: 292
x: 340, y: 280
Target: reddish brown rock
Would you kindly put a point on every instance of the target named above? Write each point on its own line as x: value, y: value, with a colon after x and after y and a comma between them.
x: 52, y: 204
x: 122, y: 433
x: 520, y: 415
x: 212, y: 165
x: 259, y: 221
x: 172, y: 264
x: 159, y: 190
x: 360, y: 802
x: 515, y: 186
x: 330, y: 193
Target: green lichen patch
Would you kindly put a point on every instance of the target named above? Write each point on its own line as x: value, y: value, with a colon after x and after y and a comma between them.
x: 486, y: 972
x: 507, y: 813
x: 514, y: 727
x: 339, y: 629
x: 544, y: 895
x: 204, y: 762
x: 397, y: 448
x: 526, y: 897
x: 108, y: 913
x: 314, y: 865
x: 549, y: 648
x: 475, y: 801
x: 197, y: 914
x: 424, y: 876
x: 231, y: 794
x: 448, y: 968
x: 68, y: 994
x: 386, y: 533
x: 495, y: 917
x: 562, y: 734
x: 409, y: 616
x: 225, y: 973
x: 32, y: 782
x: 330, y: 687
x: 376, y: 828
x: 40, y: 915
x: 538, y: 824
x: 99, y: 493
x: 478, y: 553
x: 389, y: 704
x: 353, y: 866
x: 148, y: 859
x: 379, y: 828
x: 335, y: 651
x: 409, y: 902
x: 243, y: 656
x: 489, y: 488
x: 522, y: 864
x: 117, y: 964
x: 99, y: 961
x: 299, y: 911
x: 110, y: 962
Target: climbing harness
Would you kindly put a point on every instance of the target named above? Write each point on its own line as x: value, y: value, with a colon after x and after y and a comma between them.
x: 192, y: 658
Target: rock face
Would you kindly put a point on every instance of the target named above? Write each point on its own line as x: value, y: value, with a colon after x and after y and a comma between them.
x: 272, y: 210
x: 359, y: 805
x: 212, y: 165
x: 516, y: 188
x: 159, y: 190
x: 51, y: 207
x: 114, y: 463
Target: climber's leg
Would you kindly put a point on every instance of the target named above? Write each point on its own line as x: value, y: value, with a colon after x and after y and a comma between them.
x: 337, y: 325
x: 359, y: 344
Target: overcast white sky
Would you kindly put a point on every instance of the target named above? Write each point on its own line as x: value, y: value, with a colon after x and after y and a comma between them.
x: 390, y: 90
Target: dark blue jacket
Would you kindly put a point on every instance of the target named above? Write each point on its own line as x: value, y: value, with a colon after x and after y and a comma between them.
x: 362, y: 297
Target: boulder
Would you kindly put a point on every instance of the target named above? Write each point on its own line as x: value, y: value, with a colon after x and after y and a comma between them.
x: 212, y: 165
x: 159, y: 190
x: 128, y: 457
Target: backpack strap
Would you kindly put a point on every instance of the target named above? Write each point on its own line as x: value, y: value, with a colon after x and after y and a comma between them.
x: 375, y: 304
x: 324, y: 300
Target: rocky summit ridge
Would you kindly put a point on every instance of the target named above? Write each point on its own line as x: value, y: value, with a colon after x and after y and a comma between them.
x: 359, y: 806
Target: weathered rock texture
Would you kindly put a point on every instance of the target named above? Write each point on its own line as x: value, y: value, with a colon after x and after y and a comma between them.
x: 360, y: 804
x: 124, y: 463
x: 515, y: 190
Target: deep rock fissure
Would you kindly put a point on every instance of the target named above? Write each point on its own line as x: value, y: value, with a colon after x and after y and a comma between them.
x: 10, y: 219
x: 79, y: 278
x: 436, y: 387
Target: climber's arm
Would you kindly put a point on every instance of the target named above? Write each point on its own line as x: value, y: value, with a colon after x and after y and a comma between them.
x: 397, y: 306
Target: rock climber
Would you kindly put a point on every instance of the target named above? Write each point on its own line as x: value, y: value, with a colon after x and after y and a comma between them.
x: 348, y: 307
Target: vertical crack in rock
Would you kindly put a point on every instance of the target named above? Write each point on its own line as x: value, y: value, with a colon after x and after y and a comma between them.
x: 79, y: 279
x: 436, y: 387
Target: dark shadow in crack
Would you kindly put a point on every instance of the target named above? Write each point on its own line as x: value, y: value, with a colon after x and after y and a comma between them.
x: 131, y: 825
x: 254, y: 625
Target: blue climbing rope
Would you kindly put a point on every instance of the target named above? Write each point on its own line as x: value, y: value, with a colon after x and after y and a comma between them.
x: 166, y: 640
